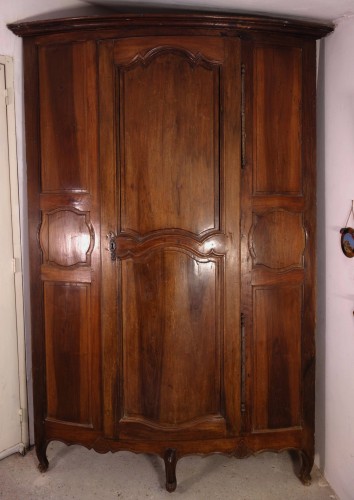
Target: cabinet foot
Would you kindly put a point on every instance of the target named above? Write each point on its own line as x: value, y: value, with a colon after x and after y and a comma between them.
x: 170, y: 459
x: 306, y: 467
x: 42, y: 457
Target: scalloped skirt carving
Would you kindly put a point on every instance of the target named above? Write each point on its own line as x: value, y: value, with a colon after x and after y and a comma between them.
x: 239, y: 448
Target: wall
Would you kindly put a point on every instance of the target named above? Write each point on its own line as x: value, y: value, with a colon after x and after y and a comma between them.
x: 335, y: 342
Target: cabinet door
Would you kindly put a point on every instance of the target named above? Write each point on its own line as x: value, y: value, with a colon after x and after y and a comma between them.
x: 170, y: 150
x: 278, y: 224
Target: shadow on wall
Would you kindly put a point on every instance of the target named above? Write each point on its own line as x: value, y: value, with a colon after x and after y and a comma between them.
x: 320, y: 434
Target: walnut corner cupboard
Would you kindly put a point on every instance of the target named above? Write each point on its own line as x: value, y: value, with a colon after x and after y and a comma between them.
x: 171, y: 187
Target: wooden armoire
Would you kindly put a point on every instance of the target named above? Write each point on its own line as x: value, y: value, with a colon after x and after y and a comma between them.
x: 172, y: 202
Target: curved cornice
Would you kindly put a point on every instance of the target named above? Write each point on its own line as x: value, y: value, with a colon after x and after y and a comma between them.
x: 222, y: 23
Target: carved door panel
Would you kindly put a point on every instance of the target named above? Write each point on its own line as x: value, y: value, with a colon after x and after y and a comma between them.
x: 170, y: 150
x: 279, y: 241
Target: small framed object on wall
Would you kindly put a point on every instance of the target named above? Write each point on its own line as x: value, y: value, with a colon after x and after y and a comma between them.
x: 347, y: 241
x: 347, y: 238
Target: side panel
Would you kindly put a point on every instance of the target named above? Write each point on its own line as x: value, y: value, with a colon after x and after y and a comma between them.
x: 279, y: 237
x: 66, y: 244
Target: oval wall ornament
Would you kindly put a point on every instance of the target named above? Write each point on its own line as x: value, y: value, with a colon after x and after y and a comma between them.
x: 347, y: 241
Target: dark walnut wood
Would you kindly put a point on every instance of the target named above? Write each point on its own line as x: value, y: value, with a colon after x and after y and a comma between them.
x: 171, y: 186
x: 176, y: 243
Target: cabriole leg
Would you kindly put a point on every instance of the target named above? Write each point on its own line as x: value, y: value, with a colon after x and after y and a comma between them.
x: 306, y: 467
x: 41, y: 450
x: 170, y: 459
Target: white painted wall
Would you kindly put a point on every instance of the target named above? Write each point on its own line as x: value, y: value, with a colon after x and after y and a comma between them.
x: 335, y: 343
x: 13, y: 397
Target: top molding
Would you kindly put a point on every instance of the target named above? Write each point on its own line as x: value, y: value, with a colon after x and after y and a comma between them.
x: 222, y: 23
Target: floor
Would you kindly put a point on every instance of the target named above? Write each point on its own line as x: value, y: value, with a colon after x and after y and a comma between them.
x: 76, y: 473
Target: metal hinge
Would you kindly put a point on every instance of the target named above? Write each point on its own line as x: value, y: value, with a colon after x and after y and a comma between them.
x: 243, y: 117
x: 8, y: 93
x: 20, y: 412
x: 16, y: 264
x: 243, y: 364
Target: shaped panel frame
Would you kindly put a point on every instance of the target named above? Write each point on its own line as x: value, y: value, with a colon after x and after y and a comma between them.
x: 169, y: 123
x: 272, y: 237
x: 160, y: 348
x: 61, y: 246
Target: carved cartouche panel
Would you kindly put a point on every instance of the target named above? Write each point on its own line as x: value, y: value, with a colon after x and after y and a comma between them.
x: 277, y: 240
x: 169, y: 128
x: 66, y: 238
